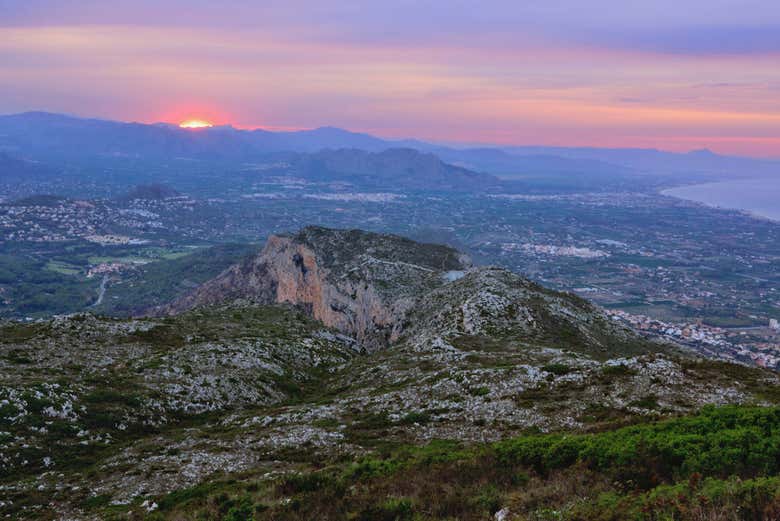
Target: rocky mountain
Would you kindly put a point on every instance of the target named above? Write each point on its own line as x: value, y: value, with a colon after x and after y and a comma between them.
x: 341, y: 374
x: 358, y: 282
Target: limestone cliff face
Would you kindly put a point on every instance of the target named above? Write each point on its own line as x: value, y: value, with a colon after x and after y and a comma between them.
x: 358, y: 282
x: 352, y: 306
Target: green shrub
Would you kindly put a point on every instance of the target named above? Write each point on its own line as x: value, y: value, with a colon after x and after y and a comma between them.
x: 193, y: 494
x: 488, y: 500
x: 390, y: 510
x: 372, y: 421
x: 96, y: 501
x: 718, y: 442
x: 479, y: 391
x: 300, y: 483
x: 112, y: 396
x: 617, y: 370
x: 18, y: 356
x: 722, y: 460
x: 415, y: 417
x: 557, y: 369
x: 242, y: 510
x: 646, y: 402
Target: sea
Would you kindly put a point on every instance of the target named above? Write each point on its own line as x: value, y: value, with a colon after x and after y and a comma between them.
x: 759, y: 197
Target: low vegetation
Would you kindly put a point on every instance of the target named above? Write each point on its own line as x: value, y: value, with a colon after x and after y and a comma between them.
x: 722, y: 463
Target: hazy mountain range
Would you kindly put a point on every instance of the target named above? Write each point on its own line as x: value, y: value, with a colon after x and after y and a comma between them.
x: 55, y: 139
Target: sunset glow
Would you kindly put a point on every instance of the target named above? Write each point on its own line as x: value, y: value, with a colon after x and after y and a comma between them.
x: 195, y: 123
x: 546, y: 74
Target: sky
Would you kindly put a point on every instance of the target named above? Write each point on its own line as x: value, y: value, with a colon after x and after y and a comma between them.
x: 670, y: 74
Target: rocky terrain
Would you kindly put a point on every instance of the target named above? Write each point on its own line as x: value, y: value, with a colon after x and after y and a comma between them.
x: 295, y: 383
x: 360, y: 283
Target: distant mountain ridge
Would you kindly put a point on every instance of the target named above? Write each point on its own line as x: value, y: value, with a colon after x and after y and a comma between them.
x: 42, y: 136
x: 33, y: 132
x: 326, y: 154
x: 653, y: 160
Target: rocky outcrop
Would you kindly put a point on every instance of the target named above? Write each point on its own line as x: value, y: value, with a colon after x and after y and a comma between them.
x: 358, y: 282
x: 381, y: 288
x: 490, y: 302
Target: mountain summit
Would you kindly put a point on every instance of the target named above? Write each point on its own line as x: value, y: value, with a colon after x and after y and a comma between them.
x: 361, y: 283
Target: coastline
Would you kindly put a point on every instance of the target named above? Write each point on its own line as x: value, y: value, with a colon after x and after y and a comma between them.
x: 720, y: 196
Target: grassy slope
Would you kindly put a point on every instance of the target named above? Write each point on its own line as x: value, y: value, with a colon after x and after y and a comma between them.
x: 719, y: 464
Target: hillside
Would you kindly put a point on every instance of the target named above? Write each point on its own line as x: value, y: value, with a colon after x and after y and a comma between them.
x: 395, y: 168
x: 341, y: 374
x: 15, y: 170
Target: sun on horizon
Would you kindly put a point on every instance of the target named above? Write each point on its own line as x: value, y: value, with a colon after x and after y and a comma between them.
x: 195, y: 123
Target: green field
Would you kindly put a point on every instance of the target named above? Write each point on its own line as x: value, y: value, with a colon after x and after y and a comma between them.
x: 63, y: 267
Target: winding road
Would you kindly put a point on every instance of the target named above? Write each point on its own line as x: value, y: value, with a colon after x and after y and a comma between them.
x: 101, y: 292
